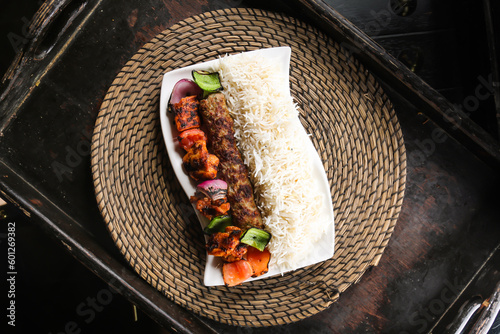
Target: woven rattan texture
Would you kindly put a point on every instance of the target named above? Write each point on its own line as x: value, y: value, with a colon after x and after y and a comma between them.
x: 353, y: 127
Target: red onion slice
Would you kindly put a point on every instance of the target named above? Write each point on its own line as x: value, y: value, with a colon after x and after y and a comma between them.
x: 214, y: 189
x: 183, y: 88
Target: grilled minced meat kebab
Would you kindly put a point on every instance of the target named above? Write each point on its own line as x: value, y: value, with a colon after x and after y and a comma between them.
x: 220, y: 133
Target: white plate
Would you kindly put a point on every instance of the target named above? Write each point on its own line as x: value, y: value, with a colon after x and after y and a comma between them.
x: 323, y: 250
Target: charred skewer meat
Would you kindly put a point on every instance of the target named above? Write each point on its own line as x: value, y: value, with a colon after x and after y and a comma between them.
x: 220, y: 133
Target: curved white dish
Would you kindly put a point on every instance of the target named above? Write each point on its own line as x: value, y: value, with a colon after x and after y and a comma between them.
x: 324, y: 248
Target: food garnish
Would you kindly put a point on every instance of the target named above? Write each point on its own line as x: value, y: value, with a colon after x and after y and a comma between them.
x: 255, y: 264
x: 256, y: 238
x: 214, y: 189
x: 183, y: 88
x: 259, y: 260
x: 210, y: 198
x: 218, y: 224
x: 189, y: 137
x: 235, y: 273
x: 209, y: 82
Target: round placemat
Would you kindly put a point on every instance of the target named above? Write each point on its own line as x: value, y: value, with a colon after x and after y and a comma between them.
x: 353, y: 127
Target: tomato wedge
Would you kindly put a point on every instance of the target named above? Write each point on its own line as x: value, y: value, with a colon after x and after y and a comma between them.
x: 189, y: 137
x: 258, y: 260
x: 237, y: 272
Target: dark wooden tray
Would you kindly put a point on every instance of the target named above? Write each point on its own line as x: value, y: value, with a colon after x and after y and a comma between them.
x: 447, y: 228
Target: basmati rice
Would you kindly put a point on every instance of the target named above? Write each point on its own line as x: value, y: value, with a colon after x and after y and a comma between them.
x: 273, y: 145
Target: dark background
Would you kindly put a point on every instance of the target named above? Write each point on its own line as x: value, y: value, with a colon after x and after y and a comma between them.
x: 53, y: 290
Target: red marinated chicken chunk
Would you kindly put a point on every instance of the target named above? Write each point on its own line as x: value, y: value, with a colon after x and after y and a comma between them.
x: 209, y: 208
x: 186, y: 113
x: 227, y: 244
x: 199, y: 164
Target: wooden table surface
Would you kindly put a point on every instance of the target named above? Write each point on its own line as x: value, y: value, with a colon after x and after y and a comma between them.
x: 448, y: 229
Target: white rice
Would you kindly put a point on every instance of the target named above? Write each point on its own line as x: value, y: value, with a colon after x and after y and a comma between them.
x: 273, y: 144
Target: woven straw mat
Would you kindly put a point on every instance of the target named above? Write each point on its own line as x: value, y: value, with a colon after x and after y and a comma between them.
x: 353, y: 127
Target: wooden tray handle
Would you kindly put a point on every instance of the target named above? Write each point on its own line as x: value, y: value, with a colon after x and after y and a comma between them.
x: 46, y: 28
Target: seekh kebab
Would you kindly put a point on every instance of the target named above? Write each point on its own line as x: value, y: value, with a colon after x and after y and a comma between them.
x: 220, y: 133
